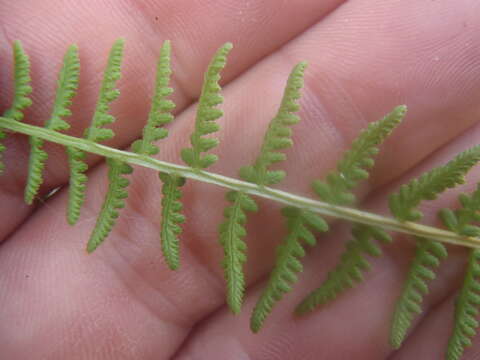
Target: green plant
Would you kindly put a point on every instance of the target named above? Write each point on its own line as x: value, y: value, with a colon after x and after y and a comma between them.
x: 303, y: 215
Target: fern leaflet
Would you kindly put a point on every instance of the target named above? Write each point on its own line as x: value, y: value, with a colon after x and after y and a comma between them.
x: 207, y: 113
x: 160, y: 112
x: 66, y: 90
x: 232, y: 230
x: 352, y: 167
x: 287, y: 265
x: 114, y: 200
x: 95, y: 132
x: 278, y: 135
x: 22, y: 88
x: 403, y: 204
x: 428, y: 256
x: 350, y: 269
x: 171, y: 218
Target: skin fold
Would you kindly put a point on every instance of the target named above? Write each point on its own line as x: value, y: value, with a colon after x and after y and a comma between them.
x: 122, y: 302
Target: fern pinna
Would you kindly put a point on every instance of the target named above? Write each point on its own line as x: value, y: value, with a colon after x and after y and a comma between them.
x: 303, y: 215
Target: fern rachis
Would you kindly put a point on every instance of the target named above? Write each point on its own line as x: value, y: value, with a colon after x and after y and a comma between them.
x: 302, y: 213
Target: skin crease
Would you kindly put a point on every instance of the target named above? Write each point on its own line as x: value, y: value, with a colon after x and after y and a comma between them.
x: 122, y: 302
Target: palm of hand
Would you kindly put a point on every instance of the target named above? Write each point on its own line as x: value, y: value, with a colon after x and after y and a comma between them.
x: 123, y: 302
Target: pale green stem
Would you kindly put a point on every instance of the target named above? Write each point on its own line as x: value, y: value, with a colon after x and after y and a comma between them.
x: 286, y: 198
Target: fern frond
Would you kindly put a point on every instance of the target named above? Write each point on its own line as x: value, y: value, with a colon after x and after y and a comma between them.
x: 232, y: 230
x: 428, y: 256
x: 352, y: 167
x: 66, y: 89
x: 287, y: 265
x: 160, y: 112
x: 467, y: 308
x: 95, y: 133
x: 403, y: 204
x: 171, y: 218
x: 278, y: 135
x: 113, y: 200
x: 349, y: 271
x: 22, y: 88
x: 207, y: 113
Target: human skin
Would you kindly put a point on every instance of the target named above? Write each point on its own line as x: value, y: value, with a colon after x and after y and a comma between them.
x: 122, y: 302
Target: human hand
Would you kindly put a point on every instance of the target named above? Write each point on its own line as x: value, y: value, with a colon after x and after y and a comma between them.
x: 122, y: 302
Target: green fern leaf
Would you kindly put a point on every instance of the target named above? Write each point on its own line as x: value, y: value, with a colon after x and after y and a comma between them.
x: 77, y: 184
x: 207, y: 113
x: 350, y: 269
x: 171, y: 218
x: 22, y: 88
x: 95, y: 132
x: 467, y: 308
x: 287, y: 264
x: 114, y: 200
x: 403, y: 204
x: 66, y: 89
x: 232, y: 230
x: 352, y: 167
x: 160, y: 112
x: 231, y: 233
x: 428, y: 256
x: 278, y: 135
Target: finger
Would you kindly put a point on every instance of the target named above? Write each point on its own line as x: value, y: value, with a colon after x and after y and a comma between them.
x: 138, y: 267
x: 357, y: 323
x: 196, y: 30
